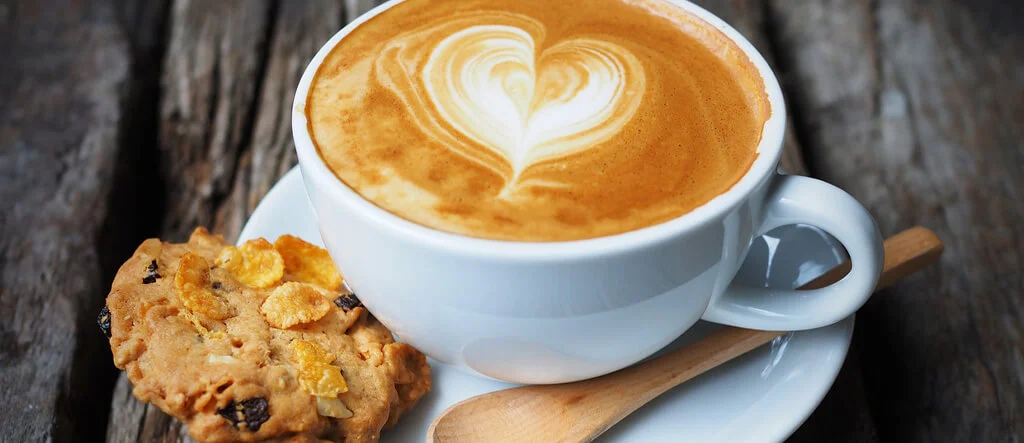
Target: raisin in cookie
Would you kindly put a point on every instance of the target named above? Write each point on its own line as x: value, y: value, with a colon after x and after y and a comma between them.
x: 256, y: 342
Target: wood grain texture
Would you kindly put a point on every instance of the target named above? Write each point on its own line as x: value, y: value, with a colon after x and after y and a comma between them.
x: 65, y: 81
x: 300, y: 29
x: 211, y: 78
x: 917, y: 109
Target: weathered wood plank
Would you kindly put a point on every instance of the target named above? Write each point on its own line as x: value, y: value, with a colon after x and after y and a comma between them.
x: 301, y: 29
x: 61, y: 118
x: 211, y: 76
x: 296, y: 32
x: 915, y: 108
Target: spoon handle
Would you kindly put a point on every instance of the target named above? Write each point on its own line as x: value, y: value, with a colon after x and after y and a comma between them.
x: 599, y: 403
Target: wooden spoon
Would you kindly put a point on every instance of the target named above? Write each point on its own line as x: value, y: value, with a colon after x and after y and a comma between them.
x: 583, y: 410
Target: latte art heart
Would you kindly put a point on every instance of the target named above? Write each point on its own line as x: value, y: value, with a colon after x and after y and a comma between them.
x: 485, y: 82
x: 487, y: 93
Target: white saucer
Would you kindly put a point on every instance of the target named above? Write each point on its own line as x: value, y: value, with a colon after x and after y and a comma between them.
x: 762, y: 396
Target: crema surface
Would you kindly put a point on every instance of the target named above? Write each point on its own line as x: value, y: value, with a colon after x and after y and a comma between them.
x: 537, y: 120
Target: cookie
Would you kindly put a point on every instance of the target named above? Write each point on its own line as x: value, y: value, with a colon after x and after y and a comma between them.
x: 256, y: 342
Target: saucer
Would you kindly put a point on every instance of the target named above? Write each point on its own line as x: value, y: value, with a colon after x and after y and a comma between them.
x: 764, y: 395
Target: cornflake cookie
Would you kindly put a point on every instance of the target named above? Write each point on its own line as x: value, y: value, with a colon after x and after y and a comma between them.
x: 256, y: 342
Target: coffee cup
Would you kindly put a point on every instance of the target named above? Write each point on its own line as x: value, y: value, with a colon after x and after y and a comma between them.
x: 560, y: 311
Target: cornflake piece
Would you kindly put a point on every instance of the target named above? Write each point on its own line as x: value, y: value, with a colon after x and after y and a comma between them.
x: 191, y: 282
x: 256, y: 263
x: 332, y: 407
x: 322, y: 380
x: 252, y: 412
x: 307, y: 352
x: 307, y: 262
x: 317, y: 376
x: 294, y: 303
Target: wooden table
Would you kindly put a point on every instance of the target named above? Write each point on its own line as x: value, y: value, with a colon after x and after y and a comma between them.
x: 127, y: 119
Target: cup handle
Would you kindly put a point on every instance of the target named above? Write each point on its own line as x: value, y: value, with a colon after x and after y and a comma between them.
x: 796, y: 199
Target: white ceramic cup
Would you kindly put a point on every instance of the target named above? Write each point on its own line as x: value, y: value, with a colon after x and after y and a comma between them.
x: 557, y: 312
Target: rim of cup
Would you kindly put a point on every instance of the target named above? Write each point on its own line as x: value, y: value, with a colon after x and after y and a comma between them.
x: 769, y: 151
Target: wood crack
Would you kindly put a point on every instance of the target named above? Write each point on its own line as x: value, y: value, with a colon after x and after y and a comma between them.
x: 135, y: 200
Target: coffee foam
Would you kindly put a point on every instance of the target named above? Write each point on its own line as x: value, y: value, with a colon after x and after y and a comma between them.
x: 537, y: 121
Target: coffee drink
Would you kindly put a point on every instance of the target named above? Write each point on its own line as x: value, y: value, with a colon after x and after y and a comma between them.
x: 535, y: 120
